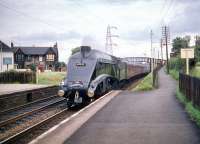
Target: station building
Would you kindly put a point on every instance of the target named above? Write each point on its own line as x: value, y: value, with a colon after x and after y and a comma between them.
x: 6, y: 57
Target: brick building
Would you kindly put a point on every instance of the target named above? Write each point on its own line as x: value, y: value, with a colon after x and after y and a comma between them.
x: 45, y: 58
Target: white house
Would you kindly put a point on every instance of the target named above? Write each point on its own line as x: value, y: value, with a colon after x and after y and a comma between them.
x: 6, y: 57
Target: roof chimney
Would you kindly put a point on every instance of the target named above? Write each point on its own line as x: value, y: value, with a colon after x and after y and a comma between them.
x: 55, y: 45
x: 12, y: 45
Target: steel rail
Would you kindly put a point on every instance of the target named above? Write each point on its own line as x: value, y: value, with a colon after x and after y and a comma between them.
x: 11, y: 120
x: 15, y: 137
x: 27, y: 104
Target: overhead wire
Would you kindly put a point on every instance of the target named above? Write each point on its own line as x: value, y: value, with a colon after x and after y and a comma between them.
x: 166, y: 12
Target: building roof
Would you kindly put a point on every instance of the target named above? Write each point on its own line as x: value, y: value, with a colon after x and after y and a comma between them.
x: 37, y: 50
x: 5, y: 48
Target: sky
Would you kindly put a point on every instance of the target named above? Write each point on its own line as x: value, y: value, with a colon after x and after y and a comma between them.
x: 72, y: 23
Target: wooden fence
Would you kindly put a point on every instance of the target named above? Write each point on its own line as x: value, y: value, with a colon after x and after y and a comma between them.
x: 190, y: 87
x: 17, y: 77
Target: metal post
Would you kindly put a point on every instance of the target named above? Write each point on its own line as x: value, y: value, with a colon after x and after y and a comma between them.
x: 36, y: 74
x: 166, y: 40
x: 152, y: 59
x: 161, y: 43
x: 187, y: 66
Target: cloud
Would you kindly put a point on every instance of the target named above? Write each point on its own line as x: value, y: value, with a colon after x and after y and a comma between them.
x: 48, y: 36
x: 186, y: 18
x: 122, y: 2
x: 70, y: 21
x: 137, y: 35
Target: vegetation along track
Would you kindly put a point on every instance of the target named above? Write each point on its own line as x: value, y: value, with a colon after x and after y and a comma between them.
x: 42, y: 123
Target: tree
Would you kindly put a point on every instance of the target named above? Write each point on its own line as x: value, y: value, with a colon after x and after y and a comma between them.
x: 179, y: 43
x: 60, y: 65
x: 197, y: 48
x: 187, y: 38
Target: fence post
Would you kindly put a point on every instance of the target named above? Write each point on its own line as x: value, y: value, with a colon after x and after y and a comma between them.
x: 179, y: 82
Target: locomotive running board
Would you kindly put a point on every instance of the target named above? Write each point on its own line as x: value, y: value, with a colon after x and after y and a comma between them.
x: 61, y: 132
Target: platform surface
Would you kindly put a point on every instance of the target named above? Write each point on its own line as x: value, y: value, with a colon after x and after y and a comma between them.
x: 154, y: 117
x: 11, y: 88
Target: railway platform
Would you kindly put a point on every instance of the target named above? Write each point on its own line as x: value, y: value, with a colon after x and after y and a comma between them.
x: 12, y: 88
x: 154, y: 117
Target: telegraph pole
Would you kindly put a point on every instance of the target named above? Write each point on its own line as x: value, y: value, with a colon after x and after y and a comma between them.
x: 109, y: 43
x: 152, y: 59
x: 165, y: 32
x: 161, y: 48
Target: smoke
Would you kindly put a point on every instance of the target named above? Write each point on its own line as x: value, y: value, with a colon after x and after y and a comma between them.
x: 92, y: 41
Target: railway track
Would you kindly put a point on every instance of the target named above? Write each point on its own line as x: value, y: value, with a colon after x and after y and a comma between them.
x: 25, y: 108
x: 23, y: 97
x: 19, y: 123
x: 37, y: 129
x: 13, y: 115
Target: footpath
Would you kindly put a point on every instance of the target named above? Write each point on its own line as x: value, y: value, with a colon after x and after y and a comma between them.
x: 154, y: 117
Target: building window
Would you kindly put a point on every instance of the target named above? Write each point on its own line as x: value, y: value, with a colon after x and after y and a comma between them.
x: 50, y: 57
x: 7, y: 60
x: 29, y: 58
x: 19, y: 57
x: 40, y: 58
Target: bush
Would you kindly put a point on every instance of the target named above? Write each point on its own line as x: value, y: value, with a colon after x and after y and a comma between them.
x: 33, y: 67
x: 198, y: 64
x: 177, y: 64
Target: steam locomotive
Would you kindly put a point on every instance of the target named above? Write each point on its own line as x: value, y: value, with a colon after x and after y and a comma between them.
x: 91, y: 73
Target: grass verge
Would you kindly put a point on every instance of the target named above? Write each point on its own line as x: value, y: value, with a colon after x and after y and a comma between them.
x: 174, y: 74
x: 191, y: 110
x: 51, y: 78
x: 195, y: 71
x: 145, y: 85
